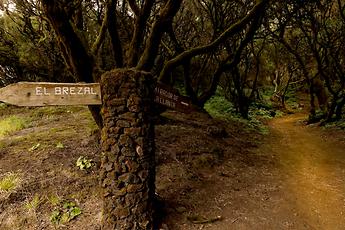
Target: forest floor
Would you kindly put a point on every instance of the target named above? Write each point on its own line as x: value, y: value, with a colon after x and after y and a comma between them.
x: 211, y: 174
x: 303, y: 188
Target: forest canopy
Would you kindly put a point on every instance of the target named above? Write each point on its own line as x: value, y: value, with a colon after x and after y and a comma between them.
x: 198, y: 46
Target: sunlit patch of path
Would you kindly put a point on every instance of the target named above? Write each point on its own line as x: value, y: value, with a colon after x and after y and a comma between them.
x: 314, y: 171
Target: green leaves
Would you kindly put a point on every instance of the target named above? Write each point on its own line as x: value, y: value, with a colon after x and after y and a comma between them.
x: 70, y: 212
x: 66, y: 213
x: 83, y: 163
x: 55, y: 217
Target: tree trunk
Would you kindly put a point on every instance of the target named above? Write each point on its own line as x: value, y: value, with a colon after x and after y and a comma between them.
x: 95, y: 111
x: 312, y: 112
x: 75, y: 54
x: 331, y: 109
x: 339, y: 109
x: 321, y: 95
x: 128, y: 160
x: 243, y: 106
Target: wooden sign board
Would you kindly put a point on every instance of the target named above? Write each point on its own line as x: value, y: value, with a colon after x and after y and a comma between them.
x: 45, y: 93
x: 171, y: 98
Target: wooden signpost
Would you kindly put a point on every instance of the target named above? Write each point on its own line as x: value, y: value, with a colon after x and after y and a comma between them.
x: 44, y: 93
x: 170, y: 98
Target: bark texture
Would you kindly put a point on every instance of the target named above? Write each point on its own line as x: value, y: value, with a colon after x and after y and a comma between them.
x: 127, y: 169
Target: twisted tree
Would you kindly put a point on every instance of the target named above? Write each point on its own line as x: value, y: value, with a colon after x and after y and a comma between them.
x: 122, y: 45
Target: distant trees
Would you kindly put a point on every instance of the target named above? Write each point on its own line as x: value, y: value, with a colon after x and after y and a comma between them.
x: 312, y: 33
x: 28, y: 49
x: 325, y: 33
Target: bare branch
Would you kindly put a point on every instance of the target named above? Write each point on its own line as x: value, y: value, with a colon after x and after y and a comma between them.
x: 341, y: 10
x: 233, y: 29
x: 226, y: 65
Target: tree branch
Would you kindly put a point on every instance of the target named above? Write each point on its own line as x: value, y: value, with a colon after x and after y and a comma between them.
x: 134, y: 7
x: 160, y: 26
x: 236, y: 58
x: 101, y: 35
x: 71, y: 45
x: 233, y: 29
x: 75, y: 54
x: 110, y: 23
x: 114, y: 34
x: 341, y: 10
x: 139, y: 30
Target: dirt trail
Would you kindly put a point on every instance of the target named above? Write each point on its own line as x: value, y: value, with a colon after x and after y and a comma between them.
x: 304, y: 187
x: 315, y: 172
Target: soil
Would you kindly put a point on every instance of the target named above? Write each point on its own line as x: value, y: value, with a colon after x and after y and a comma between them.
x: 211, y: 174
x: 301, y: 186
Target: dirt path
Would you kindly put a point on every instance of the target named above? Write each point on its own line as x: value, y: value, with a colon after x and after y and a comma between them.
x: 305, y: 188
x: 315, y: 172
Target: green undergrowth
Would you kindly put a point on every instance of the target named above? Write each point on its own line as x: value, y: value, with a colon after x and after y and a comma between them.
x: 9, y: 182
x: 291, y: 99
x: 2, y: 106
x: 64, y: 212
x: 11, y: 124
x: 44, y: 134
x: 335, y: 125
x: 220, y: 107
x: 33, y: 203
x: 264, y: 110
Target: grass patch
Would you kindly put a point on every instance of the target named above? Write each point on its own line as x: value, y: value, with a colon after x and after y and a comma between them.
x: 219, y: 107
x: 9, y: 182
x: 54, y: 199
x: 32, y: 205
x: 11, y: 124
x: 90, y: 124
x: 48, y: 111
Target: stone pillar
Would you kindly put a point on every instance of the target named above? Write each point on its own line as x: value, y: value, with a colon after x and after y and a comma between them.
x: 128, y: 155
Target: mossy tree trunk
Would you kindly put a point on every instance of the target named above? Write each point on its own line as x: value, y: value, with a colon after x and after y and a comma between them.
x: 128, y: 157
